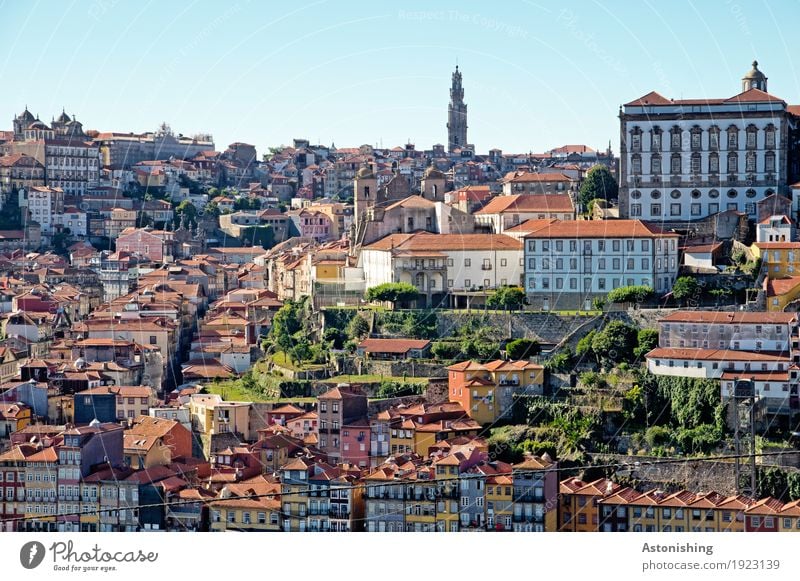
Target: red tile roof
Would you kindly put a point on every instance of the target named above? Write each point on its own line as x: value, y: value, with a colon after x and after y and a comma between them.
x: 730, y: 317
x: 528, y: 203
x: 600, y: 229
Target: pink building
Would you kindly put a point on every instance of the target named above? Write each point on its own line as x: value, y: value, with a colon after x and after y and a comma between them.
x: 355, y: 443
x: 154, y: 244
x: 312, y: 224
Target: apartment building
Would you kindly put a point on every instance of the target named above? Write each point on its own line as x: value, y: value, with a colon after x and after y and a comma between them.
x: 568, y: 264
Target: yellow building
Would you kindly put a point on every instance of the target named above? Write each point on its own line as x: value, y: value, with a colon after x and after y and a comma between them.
x: 781, y: 292
x: 401, y: 437
x: 500, y: 496
x: 247, y: 506
x: 789, y: 517
x: 486, y: 391
x: 421, y: 501
x: 211, y: 415
x: 446, y: 475
x: 780, y: 259
x: 13, y: 417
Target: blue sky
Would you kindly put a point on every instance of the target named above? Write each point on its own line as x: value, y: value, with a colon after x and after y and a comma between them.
x: 536, y: 75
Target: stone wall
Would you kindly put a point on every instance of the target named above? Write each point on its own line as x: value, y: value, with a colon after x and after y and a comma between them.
x: 544, y: 327
x: 408, y: 368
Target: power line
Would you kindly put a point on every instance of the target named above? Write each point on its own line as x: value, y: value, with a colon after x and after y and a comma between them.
x: 364, y: 486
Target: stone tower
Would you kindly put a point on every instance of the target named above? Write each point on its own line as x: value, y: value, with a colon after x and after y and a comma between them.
x: 365, y: 192
x: 754, y: 79
x: 456, y: 115
x: 433, y: 184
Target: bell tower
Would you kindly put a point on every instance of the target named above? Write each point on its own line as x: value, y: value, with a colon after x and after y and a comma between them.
x: 754, y: 79
x: 456, y: 115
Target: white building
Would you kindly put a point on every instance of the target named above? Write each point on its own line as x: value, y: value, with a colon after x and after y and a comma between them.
x: 45, y: 206
x: 690, y: 158
x: 567, y: 264
x: 74, y: 219
x: 775, y: 229
x: 442, y: 264
x: 736, y: 330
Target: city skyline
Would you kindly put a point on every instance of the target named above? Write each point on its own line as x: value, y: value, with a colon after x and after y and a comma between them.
x: 387, y: 82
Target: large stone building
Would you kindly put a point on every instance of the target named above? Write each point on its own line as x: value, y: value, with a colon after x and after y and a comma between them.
x: 684, y: 159
x: 124, y: 150
x: 70, y: 159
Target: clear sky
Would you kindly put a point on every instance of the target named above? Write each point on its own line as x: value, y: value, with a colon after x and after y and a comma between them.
x: 536, y: 75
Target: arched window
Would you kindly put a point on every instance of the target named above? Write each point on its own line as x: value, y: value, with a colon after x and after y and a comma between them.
x: 696, y: 163
x: 769, y: 136
x: 713, y: 137
x: 713, y: 162
x: 655, y: 164
x: 750, y: 162
x: 769, y: 162
x: 733, y: 163
x: 696, y: 138
x: 675, y: 163
x: 752, y: 136
x: 636, y: 164
x: 655, y: 139
x: 733, y: 137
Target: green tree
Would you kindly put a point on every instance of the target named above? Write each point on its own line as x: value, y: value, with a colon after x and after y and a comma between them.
x: 393, y: 292
x: 630, y: 294
x: 211, y: 209
x: 263, y: 236
x: 288, y: 322
x: 561, y: 361
x: 615, y: 343
x: 522, y: 348
x: 446, y: 350
x: 599, y: 183
x: 646, y: 341
x: 358, y: 328
x: 685, y: 289
x: 507, y: 298
x: 187, y: 209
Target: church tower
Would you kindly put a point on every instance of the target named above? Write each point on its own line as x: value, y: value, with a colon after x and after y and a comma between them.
x: 754, y: 79
x: 456, y: 115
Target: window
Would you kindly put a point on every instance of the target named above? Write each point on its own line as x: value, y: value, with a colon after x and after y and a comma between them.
x: 675, y: 164
x: 467, y: 262
x: 769, y: 162
x: 750, y: 162
x: 752, y: 133
x: 733, y: 137
x: 675, y: 138
x: 675, y: 209
x: 636, y: 139
x: 713, y: 137
x: 769, y: 137
x: 655, y: 164
x: 655, y: 209
x: 733, y: 163
x: 656, y: 140
x: 697, y: 134
x: 153, y: 340
x: 713, y: 163
x: 636, y: 209
x: 696, y: 163
x: 636, y: 164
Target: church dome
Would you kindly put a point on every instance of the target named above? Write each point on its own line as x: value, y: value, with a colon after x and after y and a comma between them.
x: 63, y: 118
x: 26, y: 116
x: 754, y: 73
x: 37, y: 124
